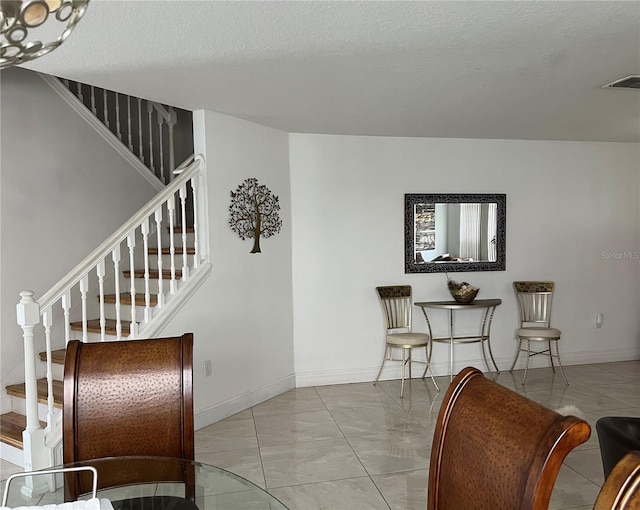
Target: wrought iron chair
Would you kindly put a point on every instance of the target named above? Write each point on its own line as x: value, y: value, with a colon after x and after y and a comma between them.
x: 397, y: 307
x: 128, y: 398
x: 534, y: 303
x: 494, y: 448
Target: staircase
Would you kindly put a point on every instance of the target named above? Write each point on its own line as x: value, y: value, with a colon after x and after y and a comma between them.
x: 154, y: 134
x: 127, y: 288
x: 13, y: 423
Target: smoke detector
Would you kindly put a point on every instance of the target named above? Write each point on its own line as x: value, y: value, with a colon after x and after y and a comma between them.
x: 630, y: 82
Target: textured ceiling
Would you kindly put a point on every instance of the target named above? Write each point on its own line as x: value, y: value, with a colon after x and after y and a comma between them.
x: 471, y: 69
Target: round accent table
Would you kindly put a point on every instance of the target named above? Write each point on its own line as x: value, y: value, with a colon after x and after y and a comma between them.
x: 484, y: 337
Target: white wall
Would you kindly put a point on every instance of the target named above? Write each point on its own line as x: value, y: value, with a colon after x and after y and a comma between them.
x: 567, y: 203
x: 305, y: 308
x: 241, y: 317
x: 64, y: 190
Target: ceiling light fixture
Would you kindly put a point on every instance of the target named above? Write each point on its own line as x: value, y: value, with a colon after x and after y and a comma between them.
x: 630, y: 82
x: 23, y: 29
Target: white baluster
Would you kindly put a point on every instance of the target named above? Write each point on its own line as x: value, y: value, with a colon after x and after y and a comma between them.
x: 93, y: 101
x: 66, y: 308
x: 84, y: 288
x: 79, y: 92
x: 47, y: 322
x: 129, y: 123
x: 172, y: 245
x: 100, y: 270
x: 131, y: 244
x: 150, y: 113
x: 196, y: 246
x: 118, y: 132
x: 158, y: 218
x: 183, y: 210
x: 104, y: 107
x: 147, y: 293
x: 140, y: 148
x: 115, y: 256
x: 172, y: 151
x: 163, y: 178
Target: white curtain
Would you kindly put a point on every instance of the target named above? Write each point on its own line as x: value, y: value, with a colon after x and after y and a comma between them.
x: 470, y: 231
x: 492, y: 230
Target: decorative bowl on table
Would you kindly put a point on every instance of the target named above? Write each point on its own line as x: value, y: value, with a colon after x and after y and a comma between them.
x: 462, y: 292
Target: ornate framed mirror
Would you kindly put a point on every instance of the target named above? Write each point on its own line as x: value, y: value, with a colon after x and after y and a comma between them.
x: 454, y: 232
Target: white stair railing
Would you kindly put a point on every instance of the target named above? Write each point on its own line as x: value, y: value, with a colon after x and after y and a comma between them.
x: 82, y: 293
x: 138, y: 123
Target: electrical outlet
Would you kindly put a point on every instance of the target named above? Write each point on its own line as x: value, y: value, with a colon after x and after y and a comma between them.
x: 599, y: 320
x: 207, y: 368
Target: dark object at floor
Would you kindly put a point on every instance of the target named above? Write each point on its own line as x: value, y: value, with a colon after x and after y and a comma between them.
x: 618, y: 435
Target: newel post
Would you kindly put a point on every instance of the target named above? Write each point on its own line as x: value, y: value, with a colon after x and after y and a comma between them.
x: 35, y: 452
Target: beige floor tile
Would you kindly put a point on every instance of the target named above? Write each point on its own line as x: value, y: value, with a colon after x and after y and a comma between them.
x: 360, y: 421
x: 572, y: 490
x: 296, y: 428
x: 229, y: 434
x: 245, y: 463
x: 294, y: 401
x: 588, y: 463
x: 393, y: 452
x: 316, y: 461
x: 353, y: 395
x: 352, y: 494
x: 404, y: 491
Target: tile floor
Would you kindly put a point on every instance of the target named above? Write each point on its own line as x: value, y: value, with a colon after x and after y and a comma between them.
x: 356, y: 446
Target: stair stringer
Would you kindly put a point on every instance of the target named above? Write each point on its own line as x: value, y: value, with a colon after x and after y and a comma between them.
x: 11, y: 454
x: 163, y: 315
x: 102, y: 130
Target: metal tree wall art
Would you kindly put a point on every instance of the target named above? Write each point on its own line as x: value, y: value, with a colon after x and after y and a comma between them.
x: 254, y: 212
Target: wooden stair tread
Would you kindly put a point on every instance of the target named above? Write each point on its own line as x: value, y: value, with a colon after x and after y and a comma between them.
x: 178, y: 229
x: 125, y: 298
x: 166, y: 250
x: 154, y: 274
x: 93, y: 326
x: 18, y: 390
x: 11, y: 427
x: 56, y: 356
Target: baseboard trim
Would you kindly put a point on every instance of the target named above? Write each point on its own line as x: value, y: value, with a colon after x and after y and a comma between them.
x: 240, y: 403
x: 575, y: 358
x: 393, y: 371
x: 346, y: 376
x: 12, y: 454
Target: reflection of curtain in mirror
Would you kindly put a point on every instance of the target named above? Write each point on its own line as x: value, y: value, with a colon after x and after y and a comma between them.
x: 470, y: 231
x: 492, y: 231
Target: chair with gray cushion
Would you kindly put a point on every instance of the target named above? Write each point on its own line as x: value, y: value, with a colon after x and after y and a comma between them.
x: 397, y: 307
x: 534, y: 303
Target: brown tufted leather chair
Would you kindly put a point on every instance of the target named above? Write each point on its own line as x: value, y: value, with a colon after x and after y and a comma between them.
x: 495, y: 449
x: 621, y: 489
x: 128, y: 398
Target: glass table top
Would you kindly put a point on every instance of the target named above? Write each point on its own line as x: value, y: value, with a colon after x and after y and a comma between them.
x: 138, y: 482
